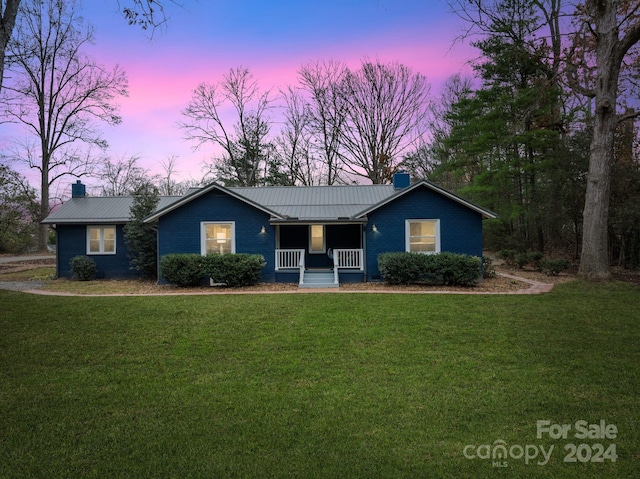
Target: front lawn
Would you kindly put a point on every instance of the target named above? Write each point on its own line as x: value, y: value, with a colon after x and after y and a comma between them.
x: 319, y: 385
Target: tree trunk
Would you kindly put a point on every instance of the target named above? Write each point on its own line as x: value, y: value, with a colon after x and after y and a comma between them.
x: 594, y: 261
x: 7, y: 22
x: 43, y: 230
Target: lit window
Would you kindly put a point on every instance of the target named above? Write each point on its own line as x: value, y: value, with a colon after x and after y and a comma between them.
x: 316, y: 239
x: 101, y: 239
x: 423, y: 236
x: 218, y: 238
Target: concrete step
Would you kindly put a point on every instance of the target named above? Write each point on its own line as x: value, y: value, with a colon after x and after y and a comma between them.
x: 318, y: 279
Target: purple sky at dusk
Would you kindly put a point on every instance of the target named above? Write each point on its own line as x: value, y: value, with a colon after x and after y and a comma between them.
x: 206, y: 38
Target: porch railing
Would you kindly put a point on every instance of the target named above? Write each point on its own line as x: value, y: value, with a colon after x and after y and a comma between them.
x: 289, y: 258
x: 348, y: 259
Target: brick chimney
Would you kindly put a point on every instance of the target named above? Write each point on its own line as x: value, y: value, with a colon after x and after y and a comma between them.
x: 401, y: 179
x: 78, y: 190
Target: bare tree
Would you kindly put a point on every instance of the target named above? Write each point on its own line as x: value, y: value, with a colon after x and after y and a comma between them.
x: 58, y: 94
x: 386, y: 107
x: 167, y: 185
x: 148, y: 14
x: 429, y: 155
x: 326, y: 110
x: 122, y: 176
x: 615, y: 26
x: 294, y: 145
x: 8, y: 14
x: 244, y: 146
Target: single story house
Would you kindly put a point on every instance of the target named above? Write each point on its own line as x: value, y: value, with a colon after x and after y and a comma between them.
x: 313, y: 235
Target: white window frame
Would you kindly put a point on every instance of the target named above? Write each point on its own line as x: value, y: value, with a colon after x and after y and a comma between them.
x: 101, y: 228
x: 324, y: 239
x: 407, y: 234
x: 203, y: 234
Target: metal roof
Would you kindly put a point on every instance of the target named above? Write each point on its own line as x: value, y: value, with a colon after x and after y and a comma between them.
x: 99, y: 209
x: 283, y: 203
x: 317, y: 202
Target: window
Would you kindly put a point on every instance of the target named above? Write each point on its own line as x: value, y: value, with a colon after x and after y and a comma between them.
x: 316, y: 239
x: 218, y: 238
x: 423, y: 236
x: 101, y: 240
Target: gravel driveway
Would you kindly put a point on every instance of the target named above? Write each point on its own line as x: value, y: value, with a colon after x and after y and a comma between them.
x: 22, y: 285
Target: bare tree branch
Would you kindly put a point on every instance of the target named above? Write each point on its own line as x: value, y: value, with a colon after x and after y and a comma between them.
x: 57, y: 93
x: 245, y: 150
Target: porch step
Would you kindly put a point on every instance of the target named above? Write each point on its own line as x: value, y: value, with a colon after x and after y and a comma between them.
x: 318, y: 279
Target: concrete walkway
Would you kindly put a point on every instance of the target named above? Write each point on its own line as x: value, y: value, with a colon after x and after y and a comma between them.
x: 535, y: 287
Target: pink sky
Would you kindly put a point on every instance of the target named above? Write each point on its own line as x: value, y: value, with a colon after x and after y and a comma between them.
x: 273, y: 39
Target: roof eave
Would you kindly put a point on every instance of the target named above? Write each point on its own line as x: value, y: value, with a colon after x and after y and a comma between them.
x: 84, y: 221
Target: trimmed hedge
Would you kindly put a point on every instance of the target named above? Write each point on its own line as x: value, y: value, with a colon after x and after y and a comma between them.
x: 448, y: 269
x: 183, y: 270
x: 231, y: 270
x: 83, y: 268
x: 234, y: 270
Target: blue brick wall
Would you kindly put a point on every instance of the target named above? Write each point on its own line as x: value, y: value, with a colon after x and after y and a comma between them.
x: 72, y: 241
x: 460, y: 227
x: 179, y: 230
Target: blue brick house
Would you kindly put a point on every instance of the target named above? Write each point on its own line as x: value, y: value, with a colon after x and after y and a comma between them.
x: 316, y: 235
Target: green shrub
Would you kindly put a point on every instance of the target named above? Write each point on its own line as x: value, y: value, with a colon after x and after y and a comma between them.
x: 183, y: 270
x: 554, y: 266
x: 399, y: 268
x: 83, y: 268
x: 443, y: 268
x: 488, y: 270
x: 521, y: 259
x: 234, y: 270
x: 457, y: 269
x: 508, y: 255
x: 535, y: 259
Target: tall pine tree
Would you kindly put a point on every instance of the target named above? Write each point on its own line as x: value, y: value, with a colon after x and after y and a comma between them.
x: 504, y: 136
x: 141, y: 237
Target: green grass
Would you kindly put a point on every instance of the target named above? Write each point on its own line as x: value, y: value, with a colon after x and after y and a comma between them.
x: 36, y: 274
x: 314, y: 386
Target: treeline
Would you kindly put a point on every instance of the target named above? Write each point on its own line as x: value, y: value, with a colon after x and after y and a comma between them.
x: 516, y: 136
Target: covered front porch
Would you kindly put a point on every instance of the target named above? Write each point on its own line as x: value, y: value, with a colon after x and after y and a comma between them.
x: 320, y: 254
